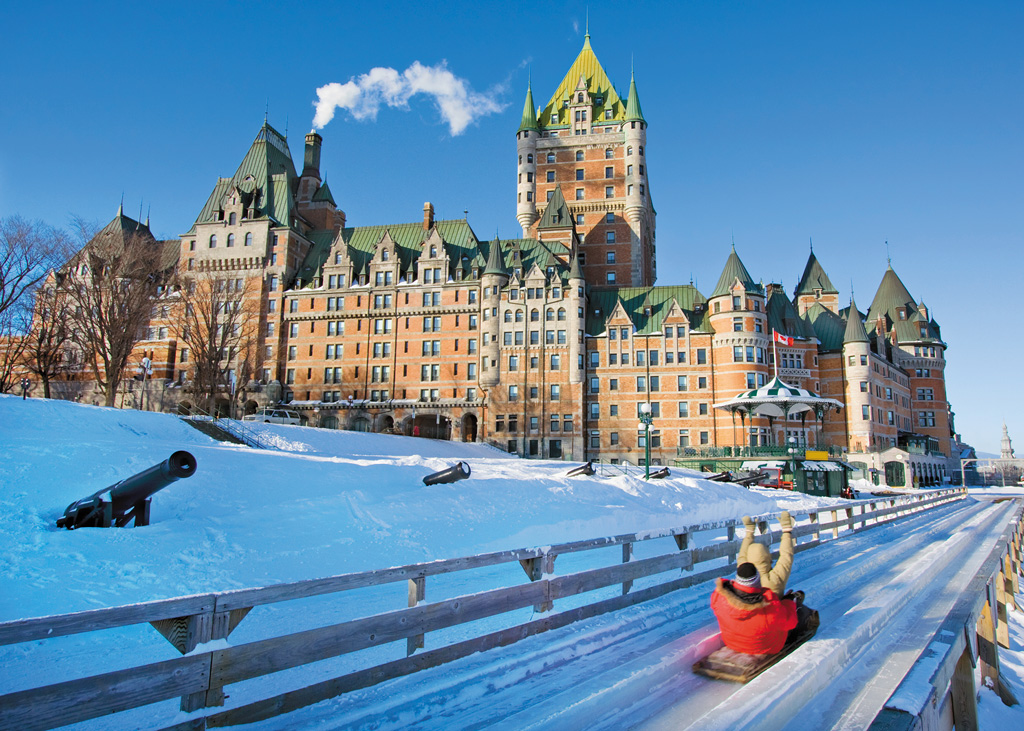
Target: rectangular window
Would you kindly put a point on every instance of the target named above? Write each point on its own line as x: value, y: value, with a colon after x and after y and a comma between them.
x: 609, y: 191
x: 579, y: 194
x: 681, y: 383
x: 684, y: 409
x: 702, y: 356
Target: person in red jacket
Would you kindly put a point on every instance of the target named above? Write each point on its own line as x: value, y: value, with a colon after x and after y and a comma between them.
x: 753, y: 619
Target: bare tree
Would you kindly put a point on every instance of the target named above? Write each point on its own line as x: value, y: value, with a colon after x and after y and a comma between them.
x: 216, y: 320
x: 110, y: 286
x: 28, y: 252
x: 13, y: 325
x: 48, y: 351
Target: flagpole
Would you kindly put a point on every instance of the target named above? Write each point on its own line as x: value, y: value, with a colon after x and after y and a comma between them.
x: 775, y: 353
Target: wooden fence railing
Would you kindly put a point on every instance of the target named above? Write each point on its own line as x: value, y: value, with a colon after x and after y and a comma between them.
x: 969, y: 637
x: 199, y: 678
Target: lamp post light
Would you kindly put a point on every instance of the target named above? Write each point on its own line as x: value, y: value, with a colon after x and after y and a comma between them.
x: 646, y: 419
x: 792, y: 455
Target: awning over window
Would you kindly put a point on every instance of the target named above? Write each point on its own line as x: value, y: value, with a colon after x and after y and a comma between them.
x: 810, y: 466
x: 756, y: 465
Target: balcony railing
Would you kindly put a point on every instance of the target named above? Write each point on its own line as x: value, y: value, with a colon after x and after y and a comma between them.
x: 752, y: 452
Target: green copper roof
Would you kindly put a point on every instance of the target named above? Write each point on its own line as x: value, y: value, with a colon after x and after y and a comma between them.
x: 557, y: 214
x: 828, y: 327
x: 734, y: 270
x: 495, y: 260
x: 323, y: 193
x: 633, y: 111
x: 575, y: 270
x: 783, y: 317
x: 890, y: 298
x: 529, y: 112
x: 602, y: 303
x: 854, y: 332
x: 813, y: 278
x: 266, y: 180
x: 115, y: 236
x: 598, y: 85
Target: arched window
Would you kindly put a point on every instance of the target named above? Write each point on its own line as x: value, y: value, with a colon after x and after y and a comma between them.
x: 561, y: 313
x: 579, y: 155
x: 519, y: 315
x: 248, y: 239
x: 629, y: 150
x: 549, y: 315
x: 534, y: 315
x: 580, y: 98
x: 520, y: 159
x: 385, y: 255
x: 609, y: 153
x: 551, y: 157
x: 433, y: 251
x: 529, y: 158
x: 231, y: 239
x: 231, y: 219
x: 213, y: 241
x: 508, y: 316
x: 641, y: 150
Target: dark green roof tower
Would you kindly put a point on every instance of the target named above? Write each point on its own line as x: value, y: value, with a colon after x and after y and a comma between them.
x: 734, y: 270
x: 529, y: 120
x: 855, y: 332
x: 633, y: 111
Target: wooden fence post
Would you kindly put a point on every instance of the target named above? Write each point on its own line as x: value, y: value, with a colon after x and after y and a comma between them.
x: 417, y: 593
x: 731, y: 536
x: 683, y: 544
x: 816, y: 526
x: 535, y: 568
x: 835, y: 524
x: 627, y: 556
x: 964, y: 694
x: 1002, y: 617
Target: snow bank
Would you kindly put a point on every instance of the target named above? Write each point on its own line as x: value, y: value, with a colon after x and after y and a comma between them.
x: 321, y: 503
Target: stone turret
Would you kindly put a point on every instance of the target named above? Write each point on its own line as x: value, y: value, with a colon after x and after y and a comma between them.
x: 578, y: 299
x: 493, y: 279
x: 857, y: 370
x: 526, y: 148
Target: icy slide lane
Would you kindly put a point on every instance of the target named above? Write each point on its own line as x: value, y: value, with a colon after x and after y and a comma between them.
x: 881, y: 593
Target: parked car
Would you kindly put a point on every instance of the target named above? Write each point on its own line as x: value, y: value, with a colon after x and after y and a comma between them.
x: 275, y: 416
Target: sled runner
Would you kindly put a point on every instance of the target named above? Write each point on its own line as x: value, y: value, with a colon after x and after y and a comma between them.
x: 726, y: 664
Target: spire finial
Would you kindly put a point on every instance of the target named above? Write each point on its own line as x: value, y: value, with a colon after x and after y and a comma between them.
x: 266, y: 111
x: 286, y: 126
x: 888, y: 257
x: 148, y: 211
x: 809, y: 238
x: 588, y: 22
x: 120, y: 207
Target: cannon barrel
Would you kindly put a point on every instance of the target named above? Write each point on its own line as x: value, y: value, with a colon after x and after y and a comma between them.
x: 661, y: 474
x: 129, y: 498
x: 587, y: 470
x: 458, y: 471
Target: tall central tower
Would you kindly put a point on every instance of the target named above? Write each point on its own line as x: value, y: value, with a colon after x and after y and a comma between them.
x: 591, y: 143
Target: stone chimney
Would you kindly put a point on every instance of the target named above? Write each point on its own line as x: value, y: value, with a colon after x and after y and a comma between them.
x: 428, y: 215
x: 311, y: 160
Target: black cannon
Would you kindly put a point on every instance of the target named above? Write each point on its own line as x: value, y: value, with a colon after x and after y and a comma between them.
x: 458, y: 471
x: 587, y: 470
x: 661, y: 474
x: 129, y: 498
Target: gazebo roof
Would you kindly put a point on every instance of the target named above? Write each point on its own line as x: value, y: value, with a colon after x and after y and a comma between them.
x: 777, y: 399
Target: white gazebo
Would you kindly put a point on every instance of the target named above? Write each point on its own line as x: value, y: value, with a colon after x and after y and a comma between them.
x: 778, y: 399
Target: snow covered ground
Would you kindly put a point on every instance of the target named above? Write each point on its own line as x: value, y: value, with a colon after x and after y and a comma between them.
x: 323, y: 503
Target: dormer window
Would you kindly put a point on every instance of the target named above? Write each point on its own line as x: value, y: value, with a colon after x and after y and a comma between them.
x: 433, y: 251
x: 599, y: 101
x: 385, y: 255
x: 579, y: 98
x: 231, y: 217
x: 817, y: 294
x: 903, y: 314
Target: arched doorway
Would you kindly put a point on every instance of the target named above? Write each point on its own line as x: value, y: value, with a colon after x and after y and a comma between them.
x: 361, y: 423
x: 469, y: 428
x: 251, y: 407
x: 329, y: 422
x: 385, y: 424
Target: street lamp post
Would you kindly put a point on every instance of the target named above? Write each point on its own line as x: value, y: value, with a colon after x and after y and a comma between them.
x: 792, y: 456
x: 646, y: 419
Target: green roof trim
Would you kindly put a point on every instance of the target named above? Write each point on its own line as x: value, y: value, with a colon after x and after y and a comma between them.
x: 814, y: 277
x: 633, y: 111
x: 602, y: 303
x: 734, y: 270
x: 529, y: 120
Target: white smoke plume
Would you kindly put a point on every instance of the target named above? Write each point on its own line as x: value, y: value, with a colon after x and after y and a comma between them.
x: 458, y: 104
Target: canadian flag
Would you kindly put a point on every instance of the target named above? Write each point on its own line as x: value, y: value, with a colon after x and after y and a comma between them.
x: 780, y: 338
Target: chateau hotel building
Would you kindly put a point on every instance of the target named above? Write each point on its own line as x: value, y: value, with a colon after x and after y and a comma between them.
x: 547, y: 345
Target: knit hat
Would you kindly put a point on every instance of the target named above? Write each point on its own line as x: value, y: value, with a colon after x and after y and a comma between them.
x: 747, y: 577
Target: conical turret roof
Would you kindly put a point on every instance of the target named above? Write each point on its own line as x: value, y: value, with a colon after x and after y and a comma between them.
x: 598, y: 85
x: 495, y: 260
x: 734, y: 270
x: 529, y: 120
x: 814, y: 277
x: 855, y: 332
x: 575, y: 270
x: 633, y: 111
x: 891, y: 297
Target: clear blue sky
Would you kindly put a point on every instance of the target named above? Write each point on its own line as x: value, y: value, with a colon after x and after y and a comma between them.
x: 852, y: 123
